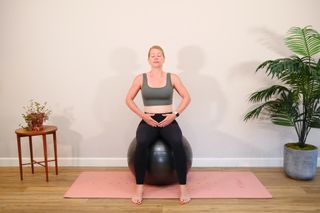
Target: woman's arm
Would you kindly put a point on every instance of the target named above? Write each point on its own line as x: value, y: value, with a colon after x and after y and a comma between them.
x: 182, y: 91
x: 132, y: 93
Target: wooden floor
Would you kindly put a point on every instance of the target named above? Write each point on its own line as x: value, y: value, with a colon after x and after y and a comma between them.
x: 34, y: 195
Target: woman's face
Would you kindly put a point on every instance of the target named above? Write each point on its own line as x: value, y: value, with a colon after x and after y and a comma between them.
x: 156, y: 58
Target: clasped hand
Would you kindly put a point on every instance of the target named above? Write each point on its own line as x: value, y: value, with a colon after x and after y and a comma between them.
x: 150, y: 121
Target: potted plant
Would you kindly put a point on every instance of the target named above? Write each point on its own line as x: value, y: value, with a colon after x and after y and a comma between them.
x: 294, y: 101
x: 35, y: 115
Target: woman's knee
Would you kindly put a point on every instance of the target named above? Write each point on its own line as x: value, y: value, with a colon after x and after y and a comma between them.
x: 142, y: 146
x: 174, y: 139
x: 144, y: 140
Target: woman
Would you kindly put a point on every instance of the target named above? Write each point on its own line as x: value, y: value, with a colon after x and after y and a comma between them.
x: 158, y: 119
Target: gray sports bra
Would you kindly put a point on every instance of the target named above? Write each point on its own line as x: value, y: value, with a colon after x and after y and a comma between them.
x: 157, y: 96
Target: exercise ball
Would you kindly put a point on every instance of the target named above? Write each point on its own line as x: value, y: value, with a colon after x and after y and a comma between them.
x: 160, y: 162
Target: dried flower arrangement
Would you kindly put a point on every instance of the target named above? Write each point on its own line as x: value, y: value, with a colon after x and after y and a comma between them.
x: 35, y: 115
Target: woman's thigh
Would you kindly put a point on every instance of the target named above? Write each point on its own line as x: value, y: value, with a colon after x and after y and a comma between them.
x: 146, y: 134
x: 172, y: 133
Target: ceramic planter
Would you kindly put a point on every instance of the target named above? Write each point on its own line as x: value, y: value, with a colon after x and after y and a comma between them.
x: 300, y: 164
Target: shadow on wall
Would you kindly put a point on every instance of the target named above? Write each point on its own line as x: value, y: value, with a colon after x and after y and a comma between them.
x: 242, y: 88
x: 116, y: 120
x: 207, y: 109
x: 240, y: 77
x: 69, y: 141
x: 272, y: 41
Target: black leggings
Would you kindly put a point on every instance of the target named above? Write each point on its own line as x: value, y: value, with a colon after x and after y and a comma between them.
x: 171, y: 134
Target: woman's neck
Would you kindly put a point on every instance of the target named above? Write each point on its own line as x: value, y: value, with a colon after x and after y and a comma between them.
x: 156, y: 71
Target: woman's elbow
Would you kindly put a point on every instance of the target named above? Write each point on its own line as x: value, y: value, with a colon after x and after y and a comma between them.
x: 127, y: 101
x: 189, y: 99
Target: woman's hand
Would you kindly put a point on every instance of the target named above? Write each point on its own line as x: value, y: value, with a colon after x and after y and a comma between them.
x: 149, y: 120
x: 169, y: 118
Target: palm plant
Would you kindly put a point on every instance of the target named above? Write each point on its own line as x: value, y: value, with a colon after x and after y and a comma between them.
x: 295, y: 101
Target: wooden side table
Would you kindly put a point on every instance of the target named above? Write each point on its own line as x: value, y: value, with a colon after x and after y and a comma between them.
x: 46, y: 131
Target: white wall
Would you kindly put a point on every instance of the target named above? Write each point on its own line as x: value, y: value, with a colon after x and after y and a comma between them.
x: 81, y: 57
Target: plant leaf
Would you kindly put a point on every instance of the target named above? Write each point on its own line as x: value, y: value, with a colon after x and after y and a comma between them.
x: 303, y: 41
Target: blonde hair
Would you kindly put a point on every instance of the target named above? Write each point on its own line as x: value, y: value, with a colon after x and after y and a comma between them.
x: 156, y: 47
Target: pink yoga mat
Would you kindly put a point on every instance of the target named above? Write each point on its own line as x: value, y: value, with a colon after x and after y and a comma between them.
x: 201, y: 184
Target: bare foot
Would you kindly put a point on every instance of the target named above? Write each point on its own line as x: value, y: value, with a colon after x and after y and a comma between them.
x: 137, y: 197
x: 184, y: 195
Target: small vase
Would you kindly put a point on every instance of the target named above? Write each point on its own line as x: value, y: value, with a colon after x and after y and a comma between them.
x: 36, y: 121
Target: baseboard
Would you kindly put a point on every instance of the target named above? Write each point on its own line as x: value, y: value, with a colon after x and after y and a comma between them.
x: 122, y: 162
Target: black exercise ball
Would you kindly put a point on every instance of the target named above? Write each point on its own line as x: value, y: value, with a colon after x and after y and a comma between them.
x: 160, y: 166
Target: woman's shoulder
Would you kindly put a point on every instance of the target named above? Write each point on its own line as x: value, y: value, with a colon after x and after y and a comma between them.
x: 174, y: 76
x: 138, y: 78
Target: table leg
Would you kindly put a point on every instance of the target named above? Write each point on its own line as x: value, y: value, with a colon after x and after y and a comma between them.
x: 19, y: 155
x: 31, y: 154
x: 55, y: 151
x: 44, y: 139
